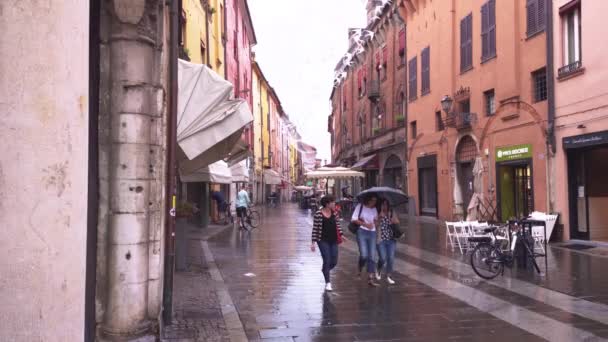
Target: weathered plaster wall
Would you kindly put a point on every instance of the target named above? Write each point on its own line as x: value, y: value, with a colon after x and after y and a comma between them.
x: 43, y: 168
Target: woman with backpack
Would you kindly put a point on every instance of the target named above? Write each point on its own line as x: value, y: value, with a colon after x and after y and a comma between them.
x: 386, y: 240
x: 327, y: 234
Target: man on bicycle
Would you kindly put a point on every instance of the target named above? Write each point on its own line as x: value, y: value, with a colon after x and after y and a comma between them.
x: 242, y: 203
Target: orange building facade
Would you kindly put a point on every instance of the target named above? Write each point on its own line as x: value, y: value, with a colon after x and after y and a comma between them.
x: 485, y: 57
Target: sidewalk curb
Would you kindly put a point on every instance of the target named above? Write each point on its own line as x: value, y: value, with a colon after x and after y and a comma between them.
x: 229, y: 312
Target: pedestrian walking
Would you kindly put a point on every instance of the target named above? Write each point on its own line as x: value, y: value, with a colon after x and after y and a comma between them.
x: 327, y: 234
x: 242, y: 203
x: 365, y: 215
x: 387, y: 242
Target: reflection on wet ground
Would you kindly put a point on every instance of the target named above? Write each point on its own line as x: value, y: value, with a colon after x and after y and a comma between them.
x: 276, y: 284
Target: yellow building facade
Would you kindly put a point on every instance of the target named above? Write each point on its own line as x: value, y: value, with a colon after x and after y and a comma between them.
x: 203, y: 33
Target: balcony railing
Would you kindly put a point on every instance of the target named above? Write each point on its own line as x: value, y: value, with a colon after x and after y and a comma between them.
x: 461, y: 120
x: 373, y: 91
x: 569, y: 69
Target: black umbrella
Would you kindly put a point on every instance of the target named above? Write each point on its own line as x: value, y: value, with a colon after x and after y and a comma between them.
x: 394, y: 196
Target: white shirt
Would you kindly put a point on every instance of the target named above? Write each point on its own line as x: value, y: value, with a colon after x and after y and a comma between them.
x: 368, y: 215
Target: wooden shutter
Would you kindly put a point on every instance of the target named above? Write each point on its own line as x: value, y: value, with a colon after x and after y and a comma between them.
x: 492, y: 27
x: 412, y: 79
x: 542, y: 12
x: 463, y: 38
x: 485, y: 24
x: 425, y: 61
x: 532, y: 15
x: 470, y: 40
x: 402, y: 42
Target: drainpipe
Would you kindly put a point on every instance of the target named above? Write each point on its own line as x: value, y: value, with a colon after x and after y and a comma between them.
x: 551, y: 144
x: 93, y: 184
x: 170, y: 182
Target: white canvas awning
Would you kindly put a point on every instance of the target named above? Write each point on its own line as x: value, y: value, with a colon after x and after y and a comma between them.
x: 210, y: 121
x: 363, y: 162
x: 333, y: 173
x: 272, y: 177
x: 240, y: 172
x: 218, y: 172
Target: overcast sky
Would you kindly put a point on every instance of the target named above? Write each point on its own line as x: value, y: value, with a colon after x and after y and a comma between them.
x: 299, y: 44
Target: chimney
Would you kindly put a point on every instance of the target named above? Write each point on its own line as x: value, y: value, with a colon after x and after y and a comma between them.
x: 371, y: 9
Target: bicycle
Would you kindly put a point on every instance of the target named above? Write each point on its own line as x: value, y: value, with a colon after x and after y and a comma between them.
x: 226, y: 213
x: 488, y: 259
x: 251, y: 219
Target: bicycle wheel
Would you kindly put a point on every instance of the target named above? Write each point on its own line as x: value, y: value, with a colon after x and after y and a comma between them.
x: 486, y: 261
x: 253, y: 219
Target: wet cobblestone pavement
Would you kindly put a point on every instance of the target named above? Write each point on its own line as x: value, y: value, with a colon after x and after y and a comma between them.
x: 274, y: 282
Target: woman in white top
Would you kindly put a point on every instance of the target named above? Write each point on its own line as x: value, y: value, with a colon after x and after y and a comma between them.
x: 365, y: 216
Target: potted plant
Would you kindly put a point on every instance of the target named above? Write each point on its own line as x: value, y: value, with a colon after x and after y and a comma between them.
x: 376, y: 130
x: 185, y: 210
x: 400, y: 118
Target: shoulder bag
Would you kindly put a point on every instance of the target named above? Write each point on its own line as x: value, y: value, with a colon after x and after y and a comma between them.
x: 353, y: 227
x: 397, y: 233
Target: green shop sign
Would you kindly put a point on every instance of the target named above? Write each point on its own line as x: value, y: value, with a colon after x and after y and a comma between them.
x: 514, y: 152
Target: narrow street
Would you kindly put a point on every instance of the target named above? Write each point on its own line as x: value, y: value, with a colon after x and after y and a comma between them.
x: 274, y: 281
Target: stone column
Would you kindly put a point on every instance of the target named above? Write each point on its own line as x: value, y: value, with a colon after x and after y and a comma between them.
x: 135, y: 108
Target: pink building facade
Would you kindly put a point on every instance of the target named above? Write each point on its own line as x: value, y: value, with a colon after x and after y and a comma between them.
x: 240, y: 37
x: 581, y: 118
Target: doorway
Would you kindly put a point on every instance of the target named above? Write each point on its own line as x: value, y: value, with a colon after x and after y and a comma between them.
x: 465, y: 160
x: 427, y: 185
x: 588, y: 193
x: 516, y: 198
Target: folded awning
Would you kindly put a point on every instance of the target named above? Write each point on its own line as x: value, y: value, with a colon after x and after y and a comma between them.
x: 240, y: 172
x: 218, y: 172
x: 272, y: 177
x: 363, y: 162
x: 239, y: 152
x: 210, y: 121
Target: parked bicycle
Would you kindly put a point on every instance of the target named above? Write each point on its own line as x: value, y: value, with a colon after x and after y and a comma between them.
x: 490, y: 256
x: 251, y: 220
x: 226, y: 214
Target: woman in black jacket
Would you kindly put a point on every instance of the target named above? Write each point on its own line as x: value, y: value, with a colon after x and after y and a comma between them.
x: 327, y: 234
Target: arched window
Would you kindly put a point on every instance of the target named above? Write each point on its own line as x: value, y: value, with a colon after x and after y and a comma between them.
x: 467, y: 150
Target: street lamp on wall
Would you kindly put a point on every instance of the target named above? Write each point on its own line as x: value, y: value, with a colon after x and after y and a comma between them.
x: 446, y: 104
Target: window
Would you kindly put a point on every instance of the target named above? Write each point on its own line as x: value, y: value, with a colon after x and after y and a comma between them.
x: 412, y: 78
x: 466, y: 43
x: 536, y: 11
x: 402, y: 59
x: 384, y: 63
x: 571, y: 38
x: 540, y: 85
x: 488, y: 30
x: 465, y: 106
x: 413, y: 129
x: 400, y: 117
x: 360, y: 82
x: 439, y: 122
x: 425, y: 74
x: 490, y: 103
x: 203, y: 53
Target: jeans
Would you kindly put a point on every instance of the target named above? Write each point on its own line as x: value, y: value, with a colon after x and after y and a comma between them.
x: 386, y: 251
x: 329, y: 253
x: 367, y: 249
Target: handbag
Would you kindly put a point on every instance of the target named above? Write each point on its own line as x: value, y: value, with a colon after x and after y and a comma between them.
x: 397, y: 233
x: 353, y: 227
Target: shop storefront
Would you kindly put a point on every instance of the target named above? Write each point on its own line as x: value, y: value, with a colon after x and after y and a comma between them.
x: 427, y: 185
x: 587, y: 158
x: 514, y: 180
